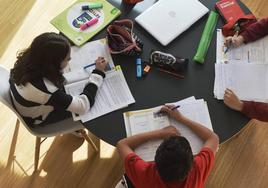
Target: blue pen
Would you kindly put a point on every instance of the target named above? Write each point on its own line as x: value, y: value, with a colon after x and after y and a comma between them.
x: 227, y: 48
x: 90, y: 65
x: 235, y: 35
x: 138, y: 68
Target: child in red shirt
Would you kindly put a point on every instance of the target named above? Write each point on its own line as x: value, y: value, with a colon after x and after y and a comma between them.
x: 174, y: 165
x: 251, y: 109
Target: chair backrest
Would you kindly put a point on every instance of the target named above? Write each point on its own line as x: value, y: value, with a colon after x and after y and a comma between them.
x: 4, y: 90
x: 62, y: 127
x: 5, y: 93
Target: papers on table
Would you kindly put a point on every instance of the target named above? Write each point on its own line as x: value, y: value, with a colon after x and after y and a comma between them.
x: 248, y: 81
x: 243, y: 70
x: 254, y: 52
x: 147, y: 120
x: 113, y: 94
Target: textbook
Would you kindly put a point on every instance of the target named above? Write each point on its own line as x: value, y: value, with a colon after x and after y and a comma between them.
x: 148, y: 120
x: 70, y: 20
x: 112, y: 95
x: 229, y: 10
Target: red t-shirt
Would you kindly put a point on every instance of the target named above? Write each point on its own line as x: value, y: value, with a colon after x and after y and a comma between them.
x: 144, y: 174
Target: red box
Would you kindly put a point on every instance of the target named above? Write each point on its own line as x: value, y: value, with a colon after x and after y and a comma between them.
x: 229, y: 10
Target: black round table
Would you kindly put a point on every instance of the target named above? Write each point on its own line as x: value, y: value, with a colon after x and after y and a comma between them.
x: 159, y: 88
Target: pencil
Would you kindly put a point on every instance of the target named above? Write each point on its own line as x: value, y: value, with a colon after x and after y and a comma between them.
x: 171, y: 73
x: 228, y: 47
x: 175, y: 107
x: 90, y: 65
x: 161, y: 112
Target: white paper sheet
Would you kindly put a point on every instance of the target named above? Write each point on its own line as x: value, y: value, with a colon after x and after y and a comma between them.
x: 88, y: 53
x: 254, y: 52
x: 248, y: 81
x: 113, y: 94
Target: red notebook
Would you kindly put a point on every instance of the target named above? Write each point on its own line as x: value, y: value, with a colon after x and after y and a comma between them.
x: 229, y: 10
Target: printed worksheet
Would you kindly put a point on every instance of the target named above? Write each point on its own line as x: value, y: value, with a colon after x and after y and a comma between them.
x: 113, y: 94
x: 254, y: 52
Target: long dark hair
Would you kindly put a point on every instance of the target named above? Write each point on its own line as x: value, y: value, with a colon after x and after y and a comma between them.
x: 42, y: 59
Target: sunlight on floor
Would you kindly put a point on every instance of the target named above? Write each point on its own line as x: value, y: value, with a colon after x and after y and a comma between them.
x: 80, y: 154
x: 106, y: 151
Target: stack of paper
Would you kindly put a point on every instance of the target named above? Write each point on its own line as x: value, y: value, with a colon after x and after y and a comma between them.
x: 249, y: 81
x: 113, y: 94
x: 147, y: 120
x: 242, y: 69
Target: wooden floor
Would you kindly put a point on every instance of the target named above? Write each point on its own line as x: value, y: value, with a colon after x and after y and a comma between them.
x: 241, y: 161
x: 66, y: 161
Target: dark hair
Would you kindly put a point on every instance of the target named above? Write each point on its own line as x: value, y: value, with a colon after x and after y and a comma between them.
x: 174, y: 159
x: 42, y: 59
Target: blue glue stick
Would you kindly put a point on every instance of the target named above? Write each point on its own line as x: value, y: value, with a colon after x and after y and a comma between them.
x: 138, y: 68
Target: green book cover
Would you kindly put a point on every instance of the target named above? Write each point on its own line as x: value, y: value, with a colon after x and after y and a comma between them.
x: 69, y: 21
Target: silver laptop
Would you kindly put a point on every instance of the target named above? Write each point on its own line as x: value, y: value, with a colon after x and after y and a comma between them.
x: 167, y: 19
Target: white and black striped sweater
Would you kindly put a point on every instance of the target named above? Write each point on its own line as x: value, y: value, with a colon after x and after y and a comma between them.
x: 40, y: 101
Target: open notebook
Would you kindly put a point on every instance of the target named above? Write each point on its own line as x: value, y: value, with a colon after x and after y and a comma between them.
x: 113, y: 94
x: 147, y: 120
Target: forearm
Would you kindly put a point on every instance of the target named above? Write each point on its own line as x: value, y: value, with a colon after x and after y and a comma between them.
x: 136, y: 140
x: 127, y: 145
x: 201, y: 131
x: 95, y: 81
x: 211, y: 140
x: 256, y: 31
x: 256, y: 110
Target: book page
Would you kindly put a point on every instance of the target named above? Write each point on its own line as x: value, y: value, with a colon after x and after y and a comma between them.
x: 196, y: 111
x: 113, y: 94
x: 76, y: 76
x: 141, y: 121
x: 86, y: 55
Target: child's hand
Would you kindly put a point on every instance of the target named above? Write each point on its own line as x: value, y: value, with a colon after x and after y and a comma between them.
x: 172, y: 113
x: 169, y: 131
x: 101, y: 63
x: 236, y: 41
x: 232, y: 101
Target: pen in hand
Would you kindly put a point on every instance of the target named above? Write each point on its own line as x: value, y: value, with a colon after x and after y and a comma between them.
x: 90, y: 65
x: 173, y: 108
x: 228, y: 46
